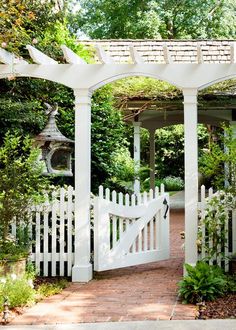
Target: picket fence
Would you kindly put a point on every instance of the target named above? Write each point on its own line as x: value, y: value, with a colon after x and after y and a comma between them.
x: 52, y: 229
x: 130, y: 229
x: 229, y: 230
x: 52, y: 234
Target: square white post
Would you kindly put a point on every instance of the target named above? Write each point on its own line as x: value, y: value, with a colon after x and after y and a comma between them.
x: 152, y: 157
x: 191, y: 174
x: 82, y: 269
x: 136, y: 125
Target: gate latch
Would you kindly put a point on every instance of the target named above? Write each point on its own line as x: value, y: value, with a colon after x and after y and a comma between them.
x: 167, y: 207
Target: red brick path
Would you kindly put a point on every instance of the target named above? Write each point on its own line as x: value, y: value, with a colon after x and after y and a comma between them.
x: 146, y: 292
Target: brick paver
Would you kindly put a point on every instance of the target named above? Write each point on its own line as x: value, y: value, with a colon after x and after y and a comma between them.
x: 146, y: 292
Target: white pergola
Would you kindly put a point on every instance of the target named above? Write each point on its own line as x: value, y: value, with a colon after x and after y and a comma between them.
x: 85, y: 78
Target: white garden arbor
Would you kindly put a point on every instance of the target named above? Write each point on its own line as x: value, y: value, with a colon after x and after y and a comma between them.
x: 85, y: 78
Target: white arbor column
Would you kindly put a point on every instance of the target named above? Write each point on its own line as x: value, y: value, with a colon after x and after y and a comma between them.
x: 152, y: 157
x: 136, y: 125
x: 82, y: 269
x: 191, y: 174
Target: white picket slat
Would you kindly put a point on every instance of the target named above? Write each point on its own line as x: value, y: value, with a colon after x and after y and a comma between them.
x: 37, y: 241
x: 54, y: 233
x: 45, y: 243
x: 62, y: 230
x: 69, y: 231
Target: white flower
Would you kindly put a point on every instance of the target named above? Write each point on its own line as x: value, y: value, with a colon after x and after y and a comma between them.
x: 3, y: 280
x: 3, y: 44
x: 13, y: 277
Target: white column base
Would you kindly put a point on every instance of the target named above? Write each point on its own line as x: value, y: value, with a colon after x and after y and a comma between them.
x: 82, y: 273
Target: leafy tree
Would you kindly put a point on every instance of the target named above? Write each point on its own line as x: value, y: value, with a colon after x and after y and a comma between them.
x: 22, y: 21
x: 167, y: 19
x: 121, y: 19
x: 21, y: 182
x: 25, y: 117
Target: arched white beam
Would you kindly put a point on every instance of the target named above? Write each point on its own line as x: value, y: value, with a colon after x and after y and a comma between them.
x: 93, y: 76
x: 213, y: 82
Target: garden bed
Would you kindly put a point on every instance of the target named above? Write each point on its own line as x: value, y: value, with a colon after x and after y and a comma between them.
x: 221, y: 308
x: 43, y: 287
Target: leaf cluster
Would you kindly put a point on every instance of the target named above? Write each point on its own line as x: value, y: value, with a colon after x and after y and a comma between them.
x: 17, y: 291
x: 202, y: 283
x: 215, y: 223
x: 221, y: 155
x: 21, y: 184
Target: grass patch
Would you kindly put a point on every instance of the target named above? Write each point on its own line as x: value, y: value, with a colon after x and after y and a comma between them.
x: 50, y: 289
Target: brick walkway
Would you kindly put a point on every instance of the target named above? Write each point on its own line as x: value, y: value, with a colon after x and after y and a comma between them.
x: 146, y: 292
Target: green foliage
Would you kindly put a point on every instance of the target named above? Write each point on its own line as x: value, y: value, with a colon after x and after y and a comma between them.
x: 25, y: 20
x: 167, y: 19
x: 108, y: 137
x: 123, y: 169
x: 17, y: 291
x: 49, y: 289
x: 21, y: 183
x: 25, y: 117
x: 219, y: 155
x: 13, y: 249
x: 215, y: 220
x: 172, y: 183
x: 123, y: 19
x: 203, y: 282
x: 169, y: 151
x: 231, y: 283
x: 144, y: 87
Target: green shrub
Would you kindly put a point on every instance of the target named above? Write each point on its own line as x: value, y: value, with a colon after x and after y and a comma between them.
x: 18, y: 291
x: 203, y: 282
x: 49, y: 289
x: 172, y: 183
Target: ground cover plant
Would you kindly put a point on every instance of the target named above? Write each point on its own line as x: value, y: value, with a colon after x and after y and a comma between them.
x: 203, y: 282
x: 21, y: 291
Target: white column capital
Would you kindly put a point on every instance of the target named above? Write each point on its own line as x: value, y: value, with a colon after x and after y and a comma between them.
x: 82, y: 96
x: 137, y: 123
x: 190, y: 95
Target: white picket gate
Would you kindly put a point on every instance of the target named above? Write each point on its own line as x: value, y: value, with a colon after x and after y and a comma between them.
x: 130, y: 230
x: 52, y: 234
x: 229, y: 229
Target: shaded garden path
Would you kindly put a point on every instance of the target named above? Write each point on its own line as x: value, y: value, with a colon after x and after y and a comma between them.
x: 146, y: 292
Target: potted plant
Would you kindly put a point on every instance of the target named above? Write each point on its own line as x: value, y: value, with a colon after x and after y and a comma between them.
x: 21, y: 186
